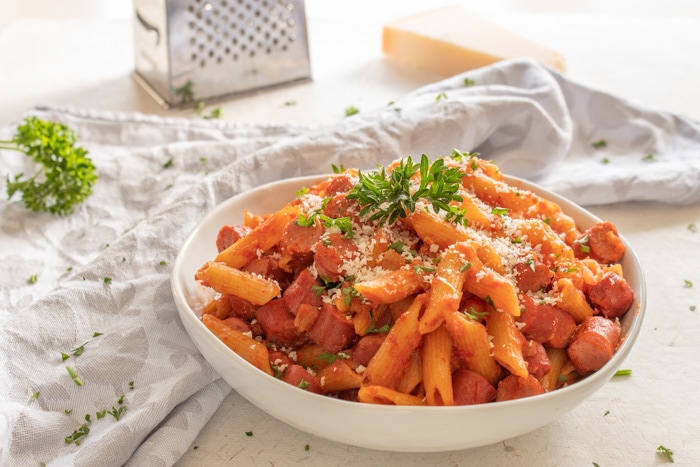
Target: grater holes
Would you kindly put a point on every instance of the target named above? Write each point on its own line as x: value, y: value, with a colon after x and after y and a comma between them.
x: 224, y: 30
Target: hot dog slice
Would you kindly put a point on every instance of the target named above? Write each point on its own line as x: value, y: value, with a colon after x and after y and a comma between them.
x: 593, y: 344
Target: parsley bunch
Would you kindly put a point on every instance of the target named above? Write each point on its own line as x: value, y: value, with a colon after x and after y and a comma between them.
x: 386, y: 197
x: 65, y: 176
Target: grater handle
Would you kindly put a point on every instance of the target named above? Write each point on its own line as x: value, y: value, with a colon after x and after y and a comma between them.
x: 148, y: 27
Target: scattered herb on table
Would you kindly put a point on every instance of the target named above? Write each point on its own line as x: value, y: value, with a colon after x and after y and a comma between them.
x: 650, y: 158
x: 168, y: 163
x: 623, y: 372
x: 666, y: 452
x: 107, y: 280
x: 33, y: 278
x: 468, y: 82
x: 441, y: 97
x: 687, y: 283
x: 35, y: 396
x: 692, y: 307
x: 306, y: 447
x: 692, y: 227
x: 66, y: 175
x: 249, y: 433
x: 352, y: 110
x: 600, y: 144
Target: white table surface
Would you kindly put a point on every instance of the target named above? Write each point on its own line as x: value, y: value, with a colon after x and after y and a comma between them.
x: 82, y: 55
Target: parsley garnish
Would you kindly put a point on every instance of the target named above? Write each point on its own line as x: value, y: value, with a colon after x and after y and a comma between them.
x: 66, y: 174
x: 583, y: 244
x: 387, y: 197
x: 474, y: 314
x: 374, y: 330
x: 600, y: 144
x: 338, y: 169
x: 499, y: 211
x: 465, y: 266
x: 666, y: 452
x: 303, y: 384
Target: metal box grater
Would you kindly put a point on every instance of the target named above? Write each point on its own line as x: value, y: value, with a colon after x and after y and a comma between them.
x: 188, y: 51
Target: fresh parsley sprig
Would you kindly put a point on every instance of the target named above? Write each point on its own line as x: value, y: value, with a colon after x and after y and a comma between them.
x: 385, y: 197
x: 66, y: 175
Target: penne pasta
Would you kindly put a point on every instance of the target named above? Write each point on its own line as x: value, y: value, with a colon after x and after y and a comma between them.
x: 248, y: 348
x: 402, y: 286
x: 227, y: 280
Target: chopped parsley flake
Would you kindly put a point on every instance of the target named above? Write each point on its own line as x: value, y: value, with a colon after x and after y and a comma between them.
x: 600, y: 144
x: 74, y: 376
x: 249, y: 433
x: 33, y: 278
x: 650, y: 158
x: 35, y: 396
x: 687, y: 283
x: 107, y: 280
x: 623, y: 372
x: 666, y: 452
x: 352, y: 110
x: 468, y: 82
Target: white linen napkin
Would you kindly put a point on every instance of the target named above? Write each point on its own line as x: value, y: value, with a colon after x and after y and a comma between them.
x: 105, y: 269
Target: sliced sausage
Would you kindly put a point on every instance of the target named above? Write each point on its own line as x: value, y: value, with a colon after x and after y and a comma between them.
x: 516, y: 387
x: 237, y: 324
x: 242, y: 308
x: 277, y: 323
x: 564, y: 328
x: 230, y: 234
x: 603, y: 242
x: 593, y: 344
x: 332, y: 255
x: 612, y: 296
x: 532, y: 276
x: 535, y: 355
x: 332, y: 330
x: 470, y: 388
x: 302, y: 291
x: 537, y: 321
x: 298, y: 376
x: 366, y: 347
x: 299, y: 240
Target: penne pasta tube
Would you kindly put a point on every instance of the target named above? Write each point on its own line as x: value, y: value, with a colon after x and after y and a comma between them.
x: 339, y: 376
x: 446, y: 289
x: 219, y: 307
x: 437, y: 371
x: 260, y: 239
x: 473, y: 347
x: 573, y: 301
x: 557, y: 357
x: 507, y: 342
x: 249, y: 349
x: 227, y: 280
x: 391, y: 287
x: 388, y: 364
x: 387, y: 396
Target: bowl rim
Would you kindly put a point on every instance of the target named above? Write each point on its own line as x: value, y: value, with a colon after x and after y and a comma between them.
x: 588, y: 383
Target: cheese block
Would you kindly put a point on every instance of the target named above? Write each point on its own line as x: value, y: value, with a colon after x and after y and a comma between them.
x: 453, y: 39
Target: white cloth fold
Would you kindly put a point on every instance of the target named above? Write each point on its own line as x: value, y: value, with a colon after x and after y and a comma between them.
x: 106, y: 268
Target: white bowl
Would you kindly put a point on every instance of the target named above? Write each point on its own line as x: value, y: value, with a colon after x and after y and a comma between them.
x: 392, y: 428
